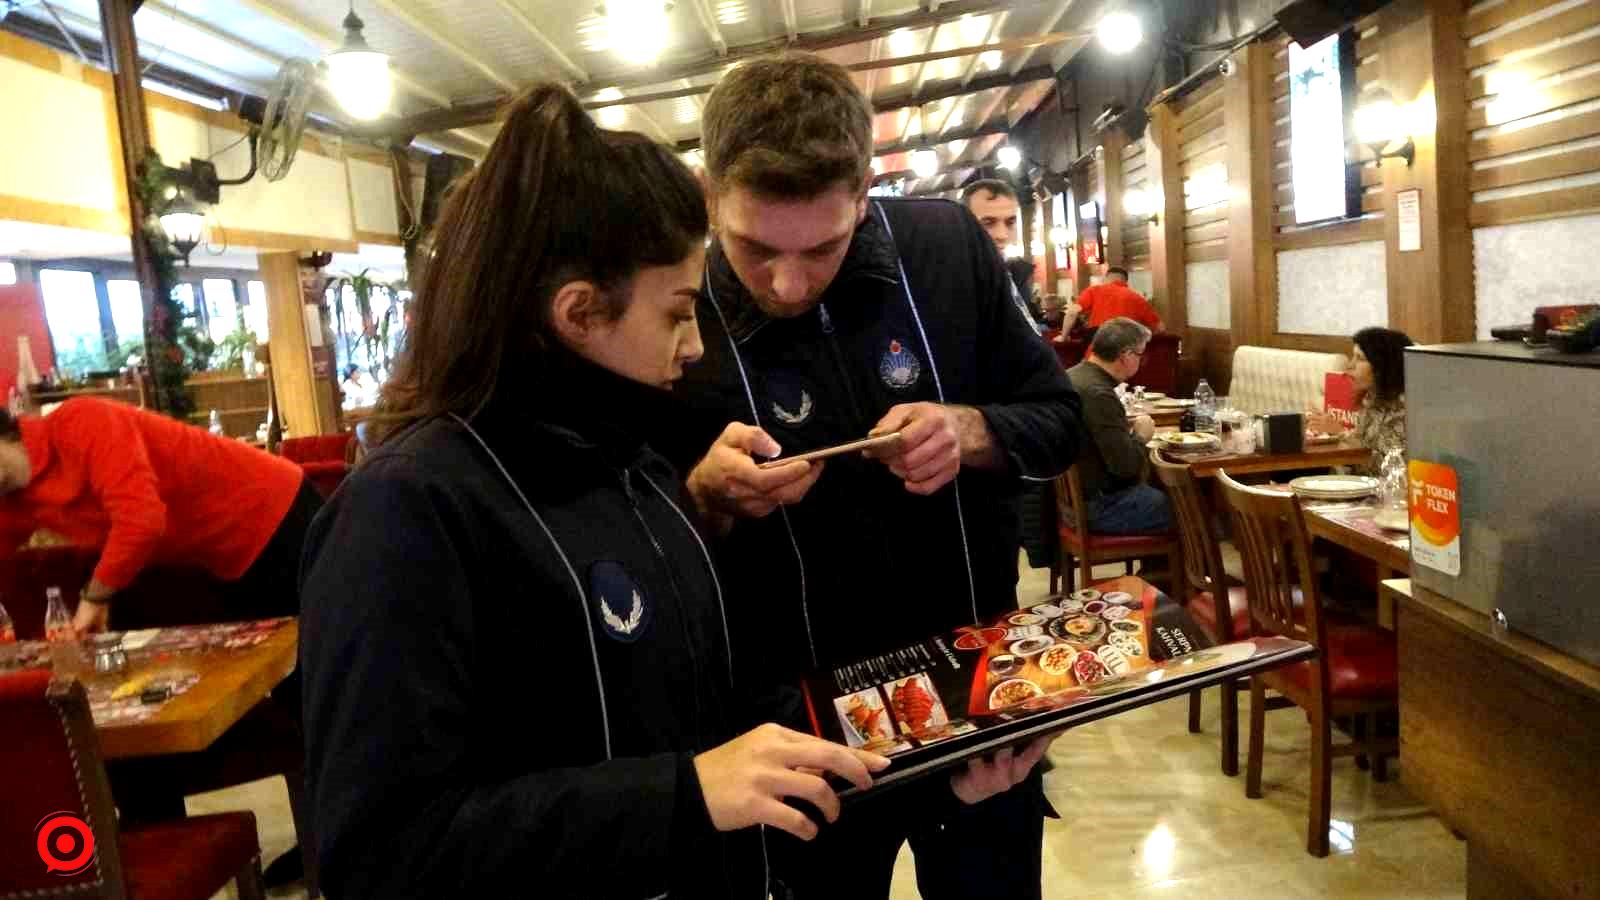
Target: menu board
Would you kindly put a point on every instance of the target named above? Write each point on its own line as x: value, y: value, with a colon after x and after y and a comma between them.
x: 1073, y: 659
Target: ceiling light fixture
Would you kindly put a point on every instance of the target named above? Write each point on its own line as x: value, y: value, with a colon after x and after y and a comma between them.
x: 925, y: 163
x: 358, y: 74
x: 184, y: 225
x: 1010, y: 157
x: 638, y: 28
x: 1119, y: 32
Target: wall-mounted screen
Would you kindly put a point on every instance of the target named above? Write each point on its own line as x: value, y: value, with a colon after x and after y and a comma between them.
x: 1321, y: 100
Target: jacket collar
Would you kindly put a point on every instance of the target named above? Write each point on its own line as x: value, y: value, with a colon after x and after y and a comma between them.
x: 872, y: 254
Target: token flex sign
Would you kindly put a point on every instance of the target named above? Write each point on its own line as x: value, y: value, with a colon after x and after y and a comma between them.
x: 1435, y: 517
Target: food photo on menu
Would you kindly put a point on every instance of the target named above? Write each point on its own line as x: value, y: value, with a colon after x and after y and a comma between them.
x: 1072, y: 659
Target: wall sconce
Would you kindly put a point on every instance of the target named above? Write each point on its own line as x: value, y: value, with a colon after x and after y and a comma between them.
x: 1380, y: 122
x: 1142, y: 206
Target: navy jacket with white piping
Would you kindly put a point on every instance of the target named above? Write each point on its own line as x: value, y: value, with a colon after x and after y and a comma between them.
x: 503, y: 702
x: 921, y: 310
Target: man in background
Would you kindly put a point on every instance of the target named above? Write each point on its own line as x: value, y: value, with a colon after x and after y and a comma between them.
x: 1111, y: 462
x: 1112, y: 298
x: 996, y: 207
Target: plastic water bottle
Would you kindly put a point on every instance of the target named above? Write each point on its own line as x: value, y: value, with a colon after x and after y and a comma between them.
x: 216, y: 424
x: 1205, y: 408
x: 64, y: 654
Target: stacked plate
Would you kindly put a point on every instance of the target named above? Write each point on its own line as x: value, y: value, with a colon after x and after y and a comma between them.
x: 1172, y: 403
x: 1334, y: 487
x: 1188, y: 441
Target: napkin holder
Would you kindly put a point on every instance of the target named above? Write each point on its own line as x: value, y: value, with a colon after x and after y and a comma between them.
x: 1283, y: 432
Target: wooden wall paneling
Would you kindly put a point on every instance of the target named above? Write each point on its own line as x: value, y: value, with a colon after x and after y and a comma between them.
x: 1205, y: 215
x: 1560, y: 165
x: 1431, y: 291
x: 1532, y: 68
x: 1212, y: 251
x: 1572, y: 21
x: 1359, y: 231
x: 1204, y: 141
x: 1560, y: 131
x: 1316, y: 343
x: 1047, y: 210
x: 1217, y: 153
x: 1252, y: 257
x: 1483, y: 20
x: 1212, y: 348
x: 1168, y: 265
x: 1112, y: 190
x: 1532, y: 207
x: 1533, y: 102
x: 1200, y: 234
x: 1206, y: 100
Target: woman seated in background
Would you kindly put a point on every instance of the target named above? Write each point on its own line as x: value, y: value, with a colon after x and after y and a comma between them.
x: 518, y: 678
x: 1377, y: 364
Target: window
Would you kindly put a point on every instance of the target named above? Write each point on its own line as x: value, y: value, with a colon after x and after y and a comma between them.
x: 72, y: 312
x: 184, y: 295
x: 127, y: 309
x: 222, y: 307
x: 255, y: 310
x: 1321, y: 84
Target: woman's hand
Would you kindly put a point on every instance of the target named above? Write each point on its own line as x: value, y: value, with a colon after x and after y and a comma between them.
x: 1323, y: 423
x: 746, y: 780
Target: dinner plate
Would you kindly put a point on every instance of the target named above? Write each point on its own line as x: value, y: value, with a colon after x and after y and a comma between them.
x: 1173, y: 403
x: 1334, y: 487
x: 1154, y: 395
x: 1313, y: 437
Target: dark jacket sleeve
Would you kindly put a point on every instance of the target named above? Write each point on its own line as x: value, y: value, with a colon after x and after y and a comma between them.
x: 1108, y: 428
x: 1026, y: 397
x: 403, y: 806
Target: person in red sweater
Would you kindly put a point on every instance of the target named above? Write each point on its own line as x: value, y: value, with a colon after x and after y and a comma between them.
x: 146, y: 489
x: 1111, y: 299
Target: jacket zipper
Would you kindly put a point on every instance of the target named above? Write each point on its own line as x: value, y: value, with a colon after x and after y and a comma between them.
x: 680, y: 612
x: 838, y: 362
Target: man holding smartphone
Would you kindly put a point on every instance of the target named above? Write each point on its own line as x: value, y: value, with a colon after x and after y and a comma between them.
x: 829, y: 316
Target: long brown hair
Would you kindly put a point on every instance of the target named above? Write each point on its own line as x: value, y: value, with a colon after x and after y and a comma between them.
x: 556, y: 200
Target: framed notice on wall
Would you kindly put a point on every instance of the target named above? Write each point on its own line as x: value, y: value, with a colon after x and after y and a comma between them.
x: 1410, y: 220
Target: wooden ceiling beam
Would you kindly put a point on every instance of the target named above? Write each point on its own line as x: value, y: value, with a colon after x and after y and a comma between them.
x: 708, y: 21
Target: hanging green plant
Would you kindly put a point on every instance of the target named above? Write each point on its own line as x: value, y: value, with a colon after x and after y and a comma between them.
x: 164, y: 337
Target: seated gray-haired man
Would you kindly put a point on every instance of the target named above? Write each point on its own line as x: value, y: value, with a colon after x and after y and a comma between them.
x: 1111, y: 463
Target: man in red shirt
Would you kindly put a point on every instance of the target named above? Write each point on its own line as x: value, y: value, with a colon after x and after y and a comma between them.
x: 146, y: 489
x: 1100, y: 303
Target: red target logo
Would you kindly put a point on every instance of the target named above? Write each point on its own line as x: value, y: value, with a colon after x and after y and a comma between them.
x: 65, y: 843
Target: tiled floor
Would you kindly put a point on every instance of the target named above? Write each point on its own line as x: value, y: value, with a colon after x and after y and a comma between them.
x: 1146, y: 813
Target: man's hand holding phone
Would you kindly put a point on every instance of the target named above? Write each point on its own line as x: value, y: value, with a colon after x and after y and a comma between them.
x: 730, y: 481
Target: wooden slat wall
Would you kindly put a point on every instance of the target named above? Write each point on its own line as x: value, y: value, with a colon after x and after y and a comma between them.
x: 1203, y: 151
x: 1368, y: 39
x: 1135, y: 234
x: 1534, y: 84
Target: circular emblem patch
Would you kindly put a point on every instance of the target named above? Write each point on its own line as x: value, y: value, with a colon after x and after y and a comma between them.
x: 619, y: 603
x: 899, y: 367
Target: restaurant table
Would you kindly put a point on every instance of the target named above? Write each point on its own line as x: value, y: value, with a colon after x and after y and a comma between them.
x: 1349, y: 525
x: 1499, y: 734
x: 1163, y: 418
x: 1313, y: 456
x: 222, y: 684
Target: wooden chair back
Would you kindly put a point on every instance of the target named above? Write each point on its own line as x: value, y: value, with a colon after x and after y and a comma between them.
x: 1070, y: 505
x: 1276, y: 549
x: 1202, y: 559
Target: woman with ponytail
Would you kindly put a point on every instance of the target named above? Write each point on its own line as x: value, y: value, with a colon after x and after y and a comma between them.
x: 518, y: 678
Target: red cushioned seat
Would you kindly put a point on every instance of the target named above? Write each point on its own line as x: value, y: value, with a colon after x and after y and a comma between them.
x: 188, y: 859
x: 1361, y: 662
x: 325, y: 476
x: 1131, y: 542
x: 1203, y: 608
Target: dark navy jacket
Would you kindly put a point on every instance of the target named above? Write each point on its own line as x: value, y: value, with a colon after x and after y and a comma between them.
x: 505, y: 704
x: 921, y: 310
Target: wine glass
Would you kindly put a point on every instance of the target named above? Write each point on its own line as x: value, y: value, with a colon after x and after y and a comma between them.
x: 1393, y: 481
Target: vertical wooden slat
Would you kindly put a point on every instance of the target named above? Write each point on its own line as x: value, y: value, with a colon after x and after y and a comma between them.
x: 1047, y: 209
x: 300, y: 401
x: 1079, y: 179
x: 1431, y: 291
x: 1111, y: 189
x: 1252, y: 258
x: 1168, y: 267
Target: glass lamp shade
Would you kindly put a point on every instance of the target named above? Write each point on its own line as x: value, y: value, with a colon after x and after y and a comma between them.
x: 1119, y: 32
x: 925, y: 163
x: 1009, y: 157
x: 184, y: 226
x: 361, y: 81
x: 1379, y: 121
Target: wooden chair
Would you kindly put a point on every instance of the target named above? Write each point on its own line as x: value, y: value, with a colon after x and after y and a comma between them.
x: 1355, y: 672
x: 56, y: 768
x: 1081, y: 549
x: 1199, y: 587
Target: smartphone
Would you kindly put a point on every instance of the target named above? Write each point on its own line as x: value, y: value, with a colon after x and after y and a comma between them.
x: 882, y: 440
